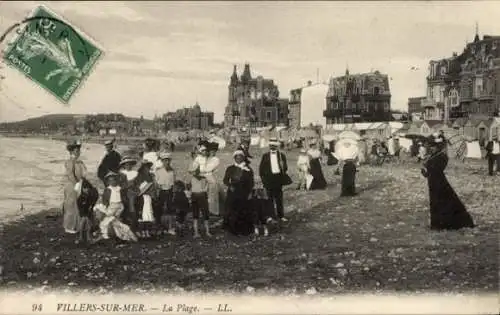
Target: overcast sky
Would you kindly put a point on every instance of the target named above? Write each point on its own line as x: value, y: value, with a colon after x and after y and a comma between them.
x: 160, y: 56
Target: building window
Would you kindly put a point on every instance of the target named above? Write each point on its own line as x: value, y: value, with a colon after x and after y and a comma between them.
x: 376, y: 90
x: 268, y: 115
x: 386, y: 107
x: 335, y: 105
x: 362, y: 107
x: 443, y: 70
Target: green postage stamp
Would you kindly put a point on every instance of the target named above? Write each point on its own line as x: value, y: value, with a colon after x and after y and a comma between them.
x: 52, y: 53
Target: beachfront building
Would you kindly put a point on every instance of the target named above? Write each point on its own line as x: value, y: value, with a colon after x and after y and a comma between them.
x: 254, y: 102
x: 466, y: 84
x: 103, y: 123
x: 307, y: 105
x: 188, y: 118
x: 364, y: 97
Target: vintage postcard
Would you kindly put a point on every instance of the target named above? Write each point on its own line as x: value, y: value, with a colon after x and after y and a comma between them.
x: 237, y: 157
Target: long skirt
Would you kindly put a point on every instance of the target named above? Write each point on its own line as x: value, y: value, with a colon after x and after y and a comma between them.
x: 447, y: 210
x: 71, y: 217
x: 214, y: 197
x: 239, y: 215
x: 349, y: 179
x: 319, y: 181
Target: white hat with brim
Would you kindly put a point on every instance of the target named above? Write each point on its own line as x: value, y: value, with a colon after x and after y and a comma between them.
x: 110, y: 174
x: 144, y: 186
x: 127, y: 160
x: 274, y: 142
x: 303, y: 151
x: 109, y: 142
x: 146, y: 163
x: 238, y: 152
x: 165, y: 156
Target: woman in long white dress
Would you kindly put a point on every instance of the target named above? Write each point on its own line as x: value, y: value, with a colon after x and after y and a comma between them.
x: 75, y: 172
x: 208, y: 167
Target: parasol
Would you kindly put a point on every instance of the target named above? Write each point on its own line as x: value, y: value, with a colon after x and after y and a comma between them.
x: 349, y: 135
x: 346, y: 149
x: 220, y: 141
x: 329, y: 138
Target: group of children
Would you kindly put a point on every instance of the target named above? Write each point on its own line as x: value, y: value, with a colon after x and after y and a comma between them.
x: 143, y: 202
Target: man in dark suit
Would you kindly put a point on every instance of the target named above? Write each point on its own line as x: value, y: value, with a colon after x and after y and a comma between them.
x: 272, y: 171
x: 110, y: 162
x: 493, y: 154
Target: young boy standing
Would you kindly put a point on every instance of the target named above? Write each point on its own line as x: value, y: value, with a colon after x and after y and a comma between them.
x: 165, y: 179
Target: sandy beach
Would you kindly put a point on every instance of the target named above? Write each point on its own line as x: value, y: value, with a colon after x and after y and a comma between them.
x: 378, y: 241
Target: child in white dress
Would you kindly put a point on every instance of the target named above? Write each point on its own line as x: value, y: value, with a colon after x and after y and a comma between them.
x: 304, y: 168
x: 144, y: 204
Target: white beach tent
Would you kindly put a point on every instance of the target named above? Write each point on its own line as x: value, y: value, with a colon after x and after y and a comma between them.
x: 473, y: 150
x: 254, y: 140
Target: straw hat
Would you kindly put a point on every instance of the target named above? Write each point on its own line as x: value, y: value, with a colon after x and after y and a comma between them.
x: 145, y: 163
x: 238, y: 152
x: 143, y: 187
x: 111, y: 174
x: 109, y: 142
x: 303, y: 151
x: 273, y: 141
x: 165, y: 156
x: 128, y: 159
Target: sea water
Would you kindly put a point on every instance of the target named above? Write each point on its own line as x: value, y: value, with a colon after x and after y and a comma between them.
x: 32, y: 173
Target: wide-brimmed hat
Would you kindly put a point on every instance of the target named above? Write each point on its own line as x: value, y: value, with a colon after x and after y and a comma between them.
x: 212, y: 146
x: 73, y: 144
x: 109, y: 142
x: 165, y: 156
x: 111, y: 174
x: 128, y: 159
x: 144, y: 163
x: 238, y: 152
x: 274, y: 142
x: 435, y: 140
x: 149, y: 139
x: 303, y: 150
x: 144, y: 186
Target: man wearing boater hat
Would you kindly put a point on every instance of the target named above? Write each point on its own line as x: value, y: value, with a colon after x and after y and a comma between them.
x: 110, y: 162
x: 272, y: 171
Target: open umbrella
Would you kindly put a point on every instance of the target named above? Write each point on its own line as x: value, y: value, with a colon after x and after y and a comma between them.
x: 349, y: 135
x: 346, y: 149
x: 220, y: 141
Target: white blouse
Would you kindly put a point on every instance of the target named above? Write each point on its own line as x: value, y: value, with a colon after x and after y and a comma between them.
x: 115, y: 196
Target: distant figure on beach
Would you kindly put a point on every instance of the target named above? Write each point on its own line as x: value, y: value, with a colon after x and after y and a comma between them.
x: 75, y: 173
x: 110, y: 162
x: 446, y: 209
x: 493, y: 155
x: 316, y: 171
x: 245, y: 147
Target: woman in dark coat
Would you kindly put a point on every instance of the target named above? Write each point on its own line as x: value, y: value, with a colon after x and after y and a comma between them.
x: 239, y: 217
x: 447, y: 211
x: 348, y: 151
x: 319, y: 181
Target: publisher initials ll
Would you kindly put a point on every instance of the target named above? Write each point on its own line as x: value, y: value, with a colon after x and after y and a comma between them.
x: 223, y: 308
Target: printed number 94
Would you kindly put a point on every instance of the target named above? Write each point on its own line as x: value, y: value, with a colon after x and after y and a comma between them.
x: 36, y: 307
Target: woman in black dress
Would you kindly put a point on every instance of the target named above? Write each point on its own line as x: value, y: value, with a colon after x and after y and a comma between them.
x: 447, y: 211
x: 314, y: 153
x: 239, y: 218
